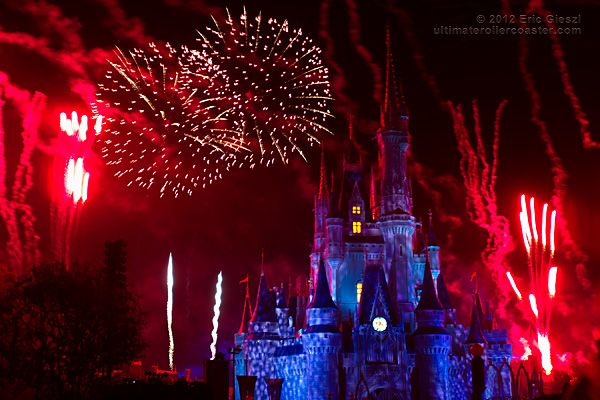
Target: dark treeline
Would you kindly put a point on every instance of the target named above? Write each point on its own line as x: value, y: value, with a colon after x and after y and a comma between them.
x: 62, y: 333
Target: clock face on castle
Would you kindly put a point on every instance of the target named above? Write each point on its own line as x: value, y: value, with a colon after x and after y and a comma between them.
x: 379, y: 324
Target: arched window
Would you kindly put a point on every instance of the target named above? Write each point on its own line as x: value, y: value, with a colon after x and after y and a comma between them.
x: 356, y: 227
x: 358, y: 291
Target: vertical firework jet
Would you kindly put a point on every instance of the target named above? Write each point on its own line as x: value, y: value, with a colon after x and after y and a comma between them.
x: 541, y: 248
x: 217, y: 313
x: 170, y: 282
x: 70, y: 189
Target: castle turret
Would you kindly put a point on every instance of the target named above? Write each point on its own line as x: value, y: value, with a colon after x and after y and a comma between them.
x: 322, y: 342
x: 263, y: 338
x: 396, y: 222
x: 432, y: 343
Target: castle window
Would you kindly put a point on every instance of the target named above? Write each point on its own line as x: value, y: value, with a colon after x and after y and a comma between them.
x: 356, y: 227
x: 358, y: 291
x: 356, y: 210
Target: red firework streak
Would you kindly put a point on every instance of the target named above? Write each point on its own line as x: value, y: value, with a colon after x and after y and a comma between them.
x: 72, y: 179
x: 539, y: 241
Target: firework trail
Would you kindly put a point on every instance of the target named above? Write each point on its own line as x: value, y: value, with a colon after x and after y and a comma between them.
x: 405, y: 24
x: 23, y: 241
x: 559, y: 174
x: 13, y: 246
x: 269, y: 83
x: 170, y: 282
x: 217, y: 313
x: 479, y: 179
x: 539, y: 242
x: 338, y: 79
x: 363, y: 52
x: 24, y: 181
x: 537, y: 7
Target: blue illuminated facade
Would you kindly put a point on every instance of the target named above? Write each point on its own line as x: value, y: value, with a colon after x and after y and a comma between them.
x: 378, y: 321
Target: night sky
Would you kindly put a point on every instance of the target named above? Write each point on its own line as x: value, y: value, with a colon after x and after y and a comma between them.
x: 225, y: 226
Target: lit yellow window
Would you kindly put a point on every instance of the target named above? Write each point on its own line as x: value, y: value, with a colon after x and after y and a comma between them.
x: 356, y: 210
x: 358, y: 291
x: 356, y: 227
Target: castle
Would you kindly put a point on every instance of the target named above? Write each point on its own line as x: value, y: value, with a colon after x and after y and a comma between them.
x: 378, y: 322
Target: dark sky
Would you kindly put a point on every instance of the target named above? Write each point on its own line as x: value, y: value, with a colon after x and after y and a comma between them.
x: 225, y: 226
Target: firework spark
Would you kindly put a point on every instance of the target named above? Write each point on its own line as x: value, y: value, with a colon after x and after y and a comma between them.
x: 170, y: 282
x: 527, y: 349
x: 539, y: 241
x: 268, y: 81
x: 217, y: 313
x: 157, y: 132
x: 552, y: 281
x: 254, y: 92
x: 514, y: 285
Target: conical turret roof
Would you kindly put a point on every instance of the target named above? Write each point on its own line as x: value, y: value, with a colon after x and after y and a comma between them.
x: 264, y: 311
x: 429, y: 299
x: 475, y: 332
x: 322, y: 297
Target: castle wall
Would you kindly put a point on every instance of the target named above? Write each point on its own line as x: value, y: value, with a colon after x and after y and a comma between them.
x: 294, y: 371
x: 432, y: 365
x: 261, y: 363
x: 323, y: 352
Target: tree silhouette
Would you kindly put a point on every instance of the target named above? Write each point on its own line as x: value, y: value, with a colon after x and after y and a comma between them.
x: 63, y: 330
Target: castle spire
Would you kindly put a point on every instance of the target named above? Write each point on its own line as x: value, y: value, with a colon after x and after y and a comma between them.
x: 281, y: 302
x: 429, y: 299
x: 394, y: 113
x: 322, y: 297
x: 431, y: 237
x: 475, y: 332
x: 247, y: 312
x: 323, y: 190
x: 264, y: 311
x: 353, y: 158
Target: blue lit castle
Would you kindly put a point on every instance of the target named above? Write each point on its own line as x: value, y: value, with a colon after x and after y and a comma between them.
x: 378, y: 322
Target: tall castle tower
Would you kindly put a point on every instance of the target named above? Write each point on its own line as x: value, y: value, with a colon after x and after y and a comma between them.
x: 322, y: 342
x: 432, y: 344
x: 396, y: 222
